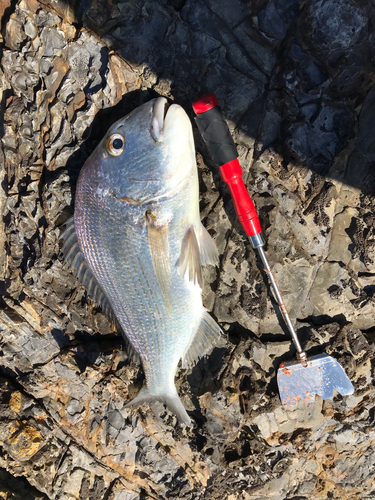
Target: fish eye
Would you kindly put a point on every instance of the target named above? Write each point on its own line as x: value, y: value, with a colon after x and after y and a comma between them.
x: 115, y: 144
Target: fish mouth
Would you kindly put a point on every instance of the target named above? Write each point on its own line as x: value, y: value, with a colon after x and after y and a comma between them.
x: 169, y: 121
x: 159, y: 113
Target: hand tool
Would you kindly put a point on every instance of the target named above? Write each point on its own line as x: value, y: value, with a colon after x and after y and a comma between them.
x: 297, y: 380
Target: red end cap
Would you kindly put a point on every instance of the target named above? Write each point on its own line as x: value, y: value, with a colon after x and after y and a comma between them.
x: 205, y: 103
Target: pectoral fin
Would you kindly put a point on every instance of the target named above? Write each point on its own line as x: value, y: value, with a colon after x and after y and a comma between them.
x: 158, y: 244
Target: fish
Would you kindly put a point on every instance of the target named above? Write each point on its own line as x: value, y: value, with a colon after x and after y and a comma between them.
x: 137, y: 243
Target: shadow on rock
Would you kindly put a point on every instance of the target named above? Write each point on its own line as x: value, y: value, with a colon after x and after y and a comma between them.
x: 287, y: 77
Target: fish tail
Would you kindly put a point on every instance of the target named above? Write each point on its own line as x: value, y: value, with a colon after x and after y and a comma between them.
x: 172, y: 401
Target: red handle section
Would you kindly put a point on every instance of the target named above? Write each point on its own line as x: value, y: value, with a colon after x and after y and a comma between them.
x: 232, y: 174
x: 219, y: 142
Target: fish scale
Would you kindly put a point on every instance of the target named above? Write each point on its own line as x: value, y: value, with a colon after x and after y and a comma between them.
x: 133, y: 282
x: 138, y: 229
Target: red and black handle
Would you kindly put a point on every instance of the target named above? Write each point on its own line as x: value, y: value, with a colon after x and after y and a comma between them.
x: 219, y: 142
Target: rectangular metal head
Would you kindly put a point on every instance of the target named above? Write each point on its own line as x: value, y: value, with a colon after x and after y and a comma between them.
x: 322, y: 375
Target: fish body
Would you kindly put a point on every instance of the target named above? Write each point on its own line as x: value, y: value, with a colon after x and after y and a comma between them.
x: 140, y: 244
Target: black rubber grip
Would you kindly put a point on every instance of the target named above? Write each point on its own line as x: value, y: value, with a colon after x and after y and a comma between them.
x: 216, y: 135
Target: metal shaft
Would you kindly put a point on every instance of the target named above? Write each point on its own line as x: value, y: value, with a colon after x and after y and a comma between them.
x: 301, y: 355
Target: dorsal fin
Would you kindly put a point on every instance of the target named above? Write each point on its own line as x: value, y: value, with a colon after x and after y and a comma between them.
x: 75, y: 260
x: 205, y: 338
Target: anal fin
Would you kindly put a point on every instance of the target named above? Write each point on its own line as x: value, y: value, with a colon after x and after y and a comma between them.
x: 205, y: 338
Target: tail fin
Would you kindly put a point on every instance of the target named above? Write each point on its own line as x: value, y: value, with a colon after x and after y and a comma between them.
x: 173, y: 403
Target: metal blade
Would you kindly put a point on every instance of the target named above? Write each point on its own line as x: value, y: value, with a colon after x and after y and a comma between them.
x: 322, y: 375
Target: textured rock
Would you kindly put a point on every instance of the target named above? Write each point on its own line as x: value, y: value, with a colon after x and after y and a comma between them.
x: 295, y: 82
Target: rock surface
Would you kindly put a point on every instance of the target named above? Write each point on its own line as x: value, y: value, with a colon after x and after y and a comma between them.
x: 295, y: 81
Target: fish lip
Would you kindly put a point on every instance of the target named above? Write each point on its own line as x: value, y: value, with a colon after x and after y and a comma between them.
x: 159, y: 112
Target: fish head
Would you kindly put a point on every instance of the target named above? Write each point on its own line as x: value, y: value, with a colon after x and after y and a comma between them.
x: 146, y: 155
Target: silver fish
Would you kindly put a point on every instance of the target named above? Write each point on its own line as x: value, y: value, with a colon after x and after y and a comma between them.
x: 138, y: 245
